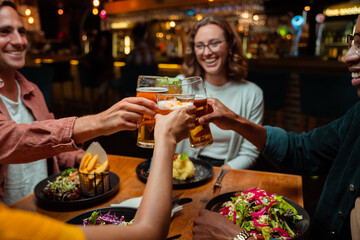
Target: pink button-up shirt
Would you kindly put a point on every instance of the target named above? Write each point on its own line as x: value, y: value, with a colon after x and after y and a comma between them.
x: 44, y: 138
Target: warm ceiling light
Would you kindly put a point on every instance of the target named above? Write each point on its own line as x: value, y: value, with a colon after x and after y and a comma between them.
x: 96, y: 3
x: 245, y: 15
x: 256, y: 17
x: 307, y: 8
x: 172, y: 24
x: 95, y: 11
x: 211, y: 0
x: 60, y: 11
x: 27, y: 12
x: 31, y: 20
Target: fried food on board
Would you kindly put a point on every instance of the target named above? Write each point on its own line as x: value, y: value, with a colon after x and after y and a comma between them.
x: 92, y: 170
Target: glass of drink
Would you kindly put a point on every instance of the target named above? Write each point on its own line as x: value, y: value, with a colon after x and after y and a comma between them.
x: 148, y: 87
x: 169, y: 102
x: 200, y: 136
x: 174, y: 85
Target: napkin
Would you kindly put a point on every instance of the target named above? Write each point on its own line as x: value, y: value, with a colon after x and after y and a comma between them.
x: 96, y: 148
x: 132, y: 202
x: 135, y: 203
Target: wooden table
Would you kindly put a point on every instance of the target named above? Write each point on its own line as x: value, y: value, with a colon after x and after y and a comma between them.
x: 287, y: 185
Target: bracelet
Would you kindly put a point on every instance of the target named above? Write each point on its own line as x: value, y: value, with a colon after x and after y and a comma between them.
x: 243, y: 235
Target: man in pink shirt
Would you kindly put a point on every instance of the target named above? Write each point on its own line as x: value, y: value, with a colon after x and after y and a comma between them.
x: 40, y: 136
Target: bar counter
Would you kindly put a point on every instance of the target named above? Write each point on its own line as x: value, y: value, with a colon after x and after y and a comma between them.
x: 287, y: 185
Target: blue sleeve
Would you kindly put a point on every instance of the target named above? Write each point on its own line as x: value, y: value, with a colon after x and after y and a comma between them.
x: 310, y: 152
x: 276, y: 143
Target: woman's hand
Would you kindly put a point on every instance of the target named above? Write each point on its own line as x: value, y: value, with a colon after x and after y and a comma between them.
x: 176, y: 125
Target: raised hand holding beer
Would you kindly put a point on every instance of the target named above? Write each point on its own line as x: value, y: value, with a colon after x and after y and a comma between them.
x: 170, y: 102
x: 200, y: 136
x: 148, y: 87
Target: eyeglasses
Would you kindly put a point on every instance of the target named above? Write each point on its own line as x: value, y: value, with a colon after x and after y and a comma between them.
x: 354, y: 40
x: 213, y: 46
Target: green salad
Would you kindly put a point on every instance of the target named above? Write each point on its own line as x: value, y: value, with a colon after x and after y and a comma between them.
x: 264, y: 215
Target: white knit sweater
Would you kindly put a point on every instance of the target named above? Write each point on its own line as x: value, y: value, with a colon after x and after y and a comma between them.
x: 244, y: 98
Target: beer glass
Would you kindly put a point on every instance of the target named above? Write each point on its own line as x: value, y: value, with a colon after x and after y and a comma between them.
x: 200, y: 136
x: 169, y: 102
x: 148, y: 87
x: 174, y: 85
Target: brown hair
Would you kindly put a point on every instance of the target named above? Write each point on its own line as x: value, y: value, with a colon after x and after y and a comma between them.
x: 236, y: 67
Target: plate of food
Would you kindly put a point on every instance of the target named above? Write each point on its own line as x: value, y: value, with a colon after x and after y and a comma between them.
x: 187, y: 173
x: 61, y: 192
x: 104, y: 216
x: 264, y: 215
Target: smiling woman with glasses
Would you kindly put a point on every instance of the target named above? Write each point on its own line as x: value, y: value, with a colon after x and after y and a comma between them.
x: 214, y: 52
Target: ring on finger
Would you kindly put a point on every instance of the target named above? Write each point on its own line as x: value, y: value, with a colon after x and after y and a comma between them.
x: 187, y: 109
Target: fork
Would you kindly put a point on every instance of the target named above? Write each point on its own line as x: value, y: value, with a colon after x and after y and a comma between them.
x: 221, y: 174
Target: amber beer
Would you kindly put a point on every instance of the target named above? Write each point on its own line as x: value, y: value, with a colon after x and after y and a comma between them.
x: 200, y: 136
x: 170, y: 102
x: 146, y: 128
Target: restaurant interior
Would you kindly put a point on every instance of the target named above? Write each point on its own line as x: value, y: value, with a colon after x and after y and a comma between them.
x: 291, y: 62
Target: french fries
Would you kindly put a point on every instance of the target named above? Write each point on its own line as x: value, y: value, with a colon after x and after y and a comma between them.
x: 89, y: 164
x: 92, y: 173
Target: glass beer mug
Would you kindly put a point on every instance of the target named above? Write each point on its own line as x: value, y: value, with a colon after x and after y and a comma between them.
x: 200, y: 136
x: 148, y: 87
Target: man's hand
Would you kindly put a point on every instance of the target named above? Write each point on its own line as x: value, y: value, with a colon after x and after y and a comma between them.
x: 212, y: 225
x: 220, y: 115
x: 124, y: 115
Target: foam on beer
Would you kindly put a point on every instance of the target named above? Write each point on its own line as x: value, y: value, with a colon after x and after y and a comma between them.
x: 172, y: 104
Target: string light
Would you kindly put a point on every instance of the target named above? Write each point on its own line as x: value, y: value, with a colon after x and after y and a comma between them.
x: 95, y: 11
x: 60, y: 11
x: 27, y: 12
x: 102, y: 14
x: 172, y: 24
x: 96, y: 3
x: 31, y: 20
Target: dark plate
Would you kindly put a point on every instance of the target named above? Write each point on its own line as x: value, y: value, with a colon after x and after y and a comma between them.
x: 128, y: 213
x: 203, y: 173
x: 83, y: 202
x: 215, y: 204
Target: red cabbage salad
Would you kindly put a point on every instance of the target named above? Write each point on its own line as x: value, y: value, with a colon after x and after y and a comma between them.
x: 264, y: 215
x: 108, y: 219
